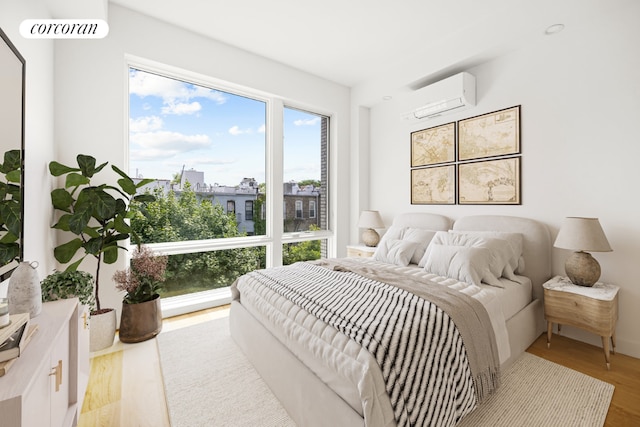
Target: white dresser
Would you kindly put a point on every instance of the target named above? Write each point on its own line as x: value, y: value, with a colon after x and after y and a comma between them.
x: 46, y: 385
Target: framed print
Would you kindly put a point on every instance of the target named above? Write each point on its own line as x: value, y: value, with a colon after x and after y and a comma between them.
x: 433, y: 186
x: 489, y: 135
x: 489, y: 182
x: 433, y: 146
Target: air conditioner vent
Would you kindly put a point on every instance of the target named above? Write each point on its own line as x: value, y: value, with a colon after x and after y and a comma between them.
x: 454, y: 93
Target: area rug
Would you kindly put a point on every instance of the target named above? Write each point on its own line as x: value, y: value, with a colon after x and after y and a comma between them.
x: 209, y: 382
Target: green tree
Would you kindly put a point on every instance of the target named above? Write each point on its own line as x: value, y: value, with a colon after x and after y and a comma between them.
x: 306, y: 182
x: 301, y: 251
x: 181, y: 217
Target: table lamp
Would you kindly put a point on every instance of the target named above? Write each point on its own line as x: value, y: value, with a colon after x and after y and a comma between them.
x: 370, y: 220
x: 580, y: 235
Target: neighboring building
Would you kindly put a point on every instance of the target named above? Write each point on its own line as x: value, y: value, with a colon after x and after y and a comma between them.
x: 300, y: 204
x: 300, y: 207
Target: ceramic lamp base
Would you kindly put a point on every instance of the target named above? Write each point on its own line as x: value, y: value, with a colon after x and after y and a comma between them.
x: 582, y: 269
x: 370, y: 237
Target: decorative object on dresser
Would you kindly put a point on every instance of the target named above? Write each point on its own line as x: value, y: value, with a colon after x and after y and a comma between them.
x: 360, y: 251
x: 69, y: 284
x: 594, y: 309
x: 141, y: 311
x: 7, y: 364
x: 580, y: 235
x: 12, y: 346
x: 15, y: 322
x: 25, y: 294
x: 97, y: 216
x: 370, y: 220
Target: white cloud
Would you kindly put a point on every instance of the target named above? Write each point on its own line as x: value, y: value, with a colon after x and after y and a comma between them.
x: 145, y: 124
x: 307, y: 122
x: 163, y: 144
x: 261, y: 129
x: 181, y: 108
x: 235, y: 130
x: 173, y: 92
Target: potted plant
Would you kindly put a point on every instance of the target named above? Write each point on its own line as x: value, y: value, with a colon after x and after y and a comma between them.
x: 141, y: 312
x: 96, y: 215
x: 69, y: 284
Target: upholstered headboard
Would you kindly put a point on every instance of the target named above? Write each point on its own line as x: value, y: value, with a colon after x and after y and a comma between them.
x: 427, y: 221
x: 536, y: 249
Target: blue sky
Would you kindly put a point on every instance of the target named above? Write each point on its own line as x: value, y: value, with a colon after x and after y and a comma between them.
x: 173, y: 124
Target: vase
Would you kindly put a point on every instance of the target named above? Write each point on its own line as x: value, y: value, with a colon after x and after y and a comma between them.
x: 25, y: 293
x: 140, y: 322
x: 102, y: 329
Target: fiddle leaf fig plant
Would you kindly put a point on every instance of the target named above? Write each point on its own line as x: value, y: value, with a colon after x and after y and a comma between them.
x: 10, y: 206
x: 96, y: 214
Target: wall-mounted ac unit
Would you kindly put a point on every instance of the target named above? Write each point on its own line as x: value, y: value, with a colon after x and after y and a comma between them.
x: 451, y: 94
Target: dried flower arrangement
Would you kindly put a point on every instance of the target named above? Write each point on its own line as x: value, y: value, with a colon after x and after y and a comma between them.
x: 144, y: 278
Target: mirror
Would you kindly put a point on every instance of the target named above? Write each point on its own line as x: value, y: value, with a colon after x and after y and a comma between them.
x: 12, y: 76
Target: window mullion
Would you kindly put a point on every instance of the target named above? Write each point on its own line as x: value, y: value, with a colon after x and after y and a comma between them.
x: 275, y: 219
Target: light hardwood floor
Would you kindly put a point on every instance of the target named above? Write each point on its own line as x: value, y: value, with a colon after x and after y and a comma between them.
x: 126, y: 389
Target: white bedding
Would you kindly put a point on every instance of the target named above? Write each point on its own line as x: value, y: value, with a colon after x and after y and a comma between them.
x: 514, y: 296
x: 344, y: 365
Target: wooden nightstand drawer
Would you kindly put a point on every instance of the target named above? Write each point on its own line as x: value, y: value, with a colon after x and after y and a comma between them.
x: 360, y: 251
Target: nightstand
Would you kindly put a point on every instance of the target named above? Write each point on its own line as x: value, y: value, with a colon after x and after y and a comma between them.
x: 594, y: 309
x: 360, y: 251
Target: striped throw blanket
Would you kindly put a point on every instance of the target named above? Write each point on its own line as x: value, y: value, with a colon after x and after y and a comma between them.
x: 420, y: 350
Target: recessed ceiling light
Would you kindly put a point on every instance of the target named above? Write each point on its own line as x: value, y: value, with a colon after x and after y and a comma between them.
x: 554, y: 29
x: 387, y: 98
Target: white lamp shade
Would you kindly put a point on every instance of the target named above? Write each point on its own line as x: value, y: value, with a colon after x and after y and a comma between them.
x: 370, y: 219
x: 582, y: 234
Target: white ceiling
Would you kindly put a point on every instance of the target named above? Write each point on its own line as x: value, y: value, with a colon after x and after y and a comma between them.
x: 379, y: 44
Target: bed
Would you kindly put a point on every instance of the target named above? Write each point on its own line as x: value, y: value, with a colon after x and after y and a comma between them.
x: 325, y: 376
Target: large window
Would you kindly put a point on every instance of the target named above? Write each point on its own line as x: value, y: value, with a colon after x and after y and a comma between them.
x: 207, y: 148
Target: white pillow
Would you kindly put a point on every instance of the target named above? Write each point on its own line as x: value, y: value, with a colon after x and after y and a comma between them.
x: 393, y: 232
x: 463, y: 263
x: 395, y: 251
x: 515, y: 241
x: 422, y: 238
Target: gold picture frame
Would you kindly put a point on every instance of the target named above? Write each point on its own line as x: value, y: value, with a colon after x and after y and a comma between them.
x: 434, y: 145
x: 490, y: 182
x: 489, y: 135
x: 433, y: 185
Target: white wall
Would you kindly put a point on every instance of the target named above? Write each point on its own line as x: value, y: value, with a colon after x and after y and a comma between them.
x: 39, y: 145
x: 580, y: 97
x: 91, y: 96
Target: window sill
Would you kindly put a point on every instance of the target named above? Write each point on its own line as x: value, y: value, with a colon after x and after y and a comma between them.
x: 183, y: 304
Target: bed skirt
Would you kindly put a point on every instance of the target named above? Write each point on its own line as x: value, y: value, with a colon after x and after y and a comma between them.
x: 308, y: 400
